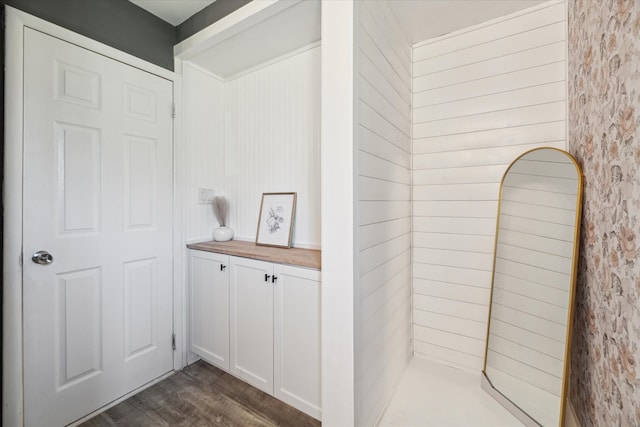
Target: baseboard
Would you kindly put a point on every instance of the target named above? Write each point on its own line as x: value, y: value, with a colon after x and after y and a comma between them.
x: 192, y: 358
x: 522, y: 416
x: 570, y: 416
x: 447, y: 363
x: 383, y: 410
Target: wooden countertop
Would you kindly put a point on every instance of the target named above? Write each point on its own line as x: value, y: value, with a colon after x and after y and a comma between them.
x: 294, y: 256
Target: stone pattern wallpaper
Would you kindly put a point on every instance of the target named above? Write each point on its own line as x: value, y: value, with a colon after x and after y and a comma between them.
x: 604, y: 135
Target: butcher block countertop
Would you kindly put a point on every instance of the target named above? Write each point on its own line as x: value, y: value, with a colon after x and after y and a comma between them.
x: 309, y: 258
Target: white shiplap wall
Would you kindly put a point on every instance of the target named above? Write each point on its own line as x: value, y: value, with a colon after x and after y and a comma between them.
x: 250, y: 135
x: 272, y: 143
x: 383, y: 295
x: 481, y: 97
x: 203, y: 147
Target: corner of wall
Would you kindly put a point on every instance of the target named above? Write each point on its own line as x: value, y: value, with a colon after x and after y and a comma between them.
x: 337, y: 207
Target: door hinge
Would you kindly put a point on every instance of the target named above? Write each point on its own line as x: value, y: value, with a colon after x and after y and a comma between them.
x: 173, y: 110
x: 173, y: 341
x: 21, y: 260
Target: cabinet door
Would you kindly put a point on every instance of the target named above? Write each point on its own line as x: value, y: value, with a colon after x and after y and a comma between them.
x: 209, y: 307
x: 251, y: 309
x: 297, y: 338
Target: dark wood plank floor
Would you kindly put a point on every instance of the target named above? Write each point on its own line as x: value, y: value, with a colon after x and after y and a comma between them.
x: 201, y: 395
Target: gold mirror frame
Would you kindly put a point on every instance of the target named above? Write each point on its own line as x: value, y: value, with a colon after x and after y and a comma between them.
x: 509, y: 402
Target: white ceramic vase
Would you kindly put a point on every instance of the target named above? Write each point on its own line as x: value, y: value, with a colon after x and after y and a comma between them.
x: 222, y: 234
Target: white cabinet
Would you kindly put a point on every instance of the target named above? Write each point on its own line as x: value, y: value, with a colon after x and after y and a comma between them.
x: 297, y: 338
x: 209, y: 307
x: 251, y: 310
x: 260, y: 321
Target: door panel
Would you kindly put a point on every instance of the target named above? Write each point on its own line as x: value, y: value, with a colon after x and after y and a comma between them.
x: 140, y: 308
x: 98, y: 196
x: 78, y: 309
x: 297, y: 377
x: 78, y: 150
x: 209, y: 306
x: 140, y: 166
x: 251, y: 313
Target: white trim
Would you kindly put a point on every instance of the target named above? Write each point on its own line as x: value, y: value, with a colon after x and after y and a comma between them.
x: 271, y: 61
x: 490, y: 22
x: 396, y: 386
x: 232, y: 24
x: 412, y: 229
x: 201, y: 69
x: 12, y: 386
x: 179, y: 248
x: 566, y: 77
x: 570, y: 416
x: 181, y: 252
x: 193, y: 358
x: 522, y: 416
x: 337, y: 128
x: 359, y: 416
x: 12, y: 360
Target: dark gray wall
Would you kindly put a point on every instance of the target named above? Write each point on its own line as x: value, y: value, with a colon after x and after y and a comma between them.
x: 125, y: 26
x: 117, y: 23
x: 207, y: 16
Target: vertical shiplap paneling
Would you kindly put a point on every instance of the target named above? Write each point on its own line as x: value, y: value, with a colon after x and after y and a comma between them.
x: 481, y: 97
x: 384, y: 222
x: 272, y: 143
x: 203, y: 139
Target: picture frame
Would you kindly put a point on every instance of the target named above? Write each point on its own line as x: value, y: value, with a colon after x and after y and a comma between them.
x: 276, y: 219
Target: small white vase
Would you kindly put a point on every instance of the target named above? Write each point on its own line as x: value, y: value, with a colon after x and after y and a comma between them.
x: 222, y: 234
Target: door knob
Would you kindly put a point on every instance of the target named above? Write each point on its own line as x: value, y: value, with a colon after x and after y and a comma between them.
x: 42, y: 257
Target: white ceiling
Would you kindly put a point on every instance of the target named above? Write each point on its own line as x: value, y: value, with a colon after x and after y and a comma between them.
x: 175, y: 12
x: 293, y: 28
x: 426, y: 19
x: 420, y: 19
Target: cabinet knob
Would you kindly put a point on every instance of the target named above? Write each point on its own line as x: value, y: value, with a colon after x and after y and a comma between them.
x: 266, y: 277
x: 274, y: 278
x: 222, y: 267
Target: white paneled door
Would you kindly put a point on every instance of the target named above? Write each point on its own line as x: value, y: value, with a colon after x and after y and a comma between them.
x: 98, y: 198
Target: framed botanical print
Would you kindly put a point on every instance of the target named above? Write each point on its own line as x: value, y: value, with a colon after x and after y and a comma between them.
x: 277, y: 215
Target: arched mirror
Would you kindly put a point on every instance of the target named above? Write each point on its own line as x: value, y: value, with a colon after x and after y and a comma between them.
x: 531, y: 307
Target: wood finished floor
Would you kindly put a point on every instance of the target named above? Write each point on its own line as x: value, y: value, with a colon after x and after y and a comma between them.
x: 201, y: 395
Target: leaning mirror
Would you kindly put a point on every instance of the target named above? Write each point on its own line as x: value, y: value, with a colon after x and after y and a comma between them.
x: 531, y: 307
